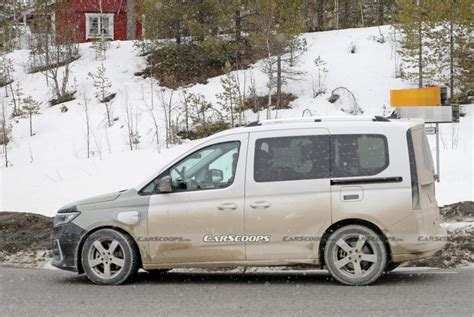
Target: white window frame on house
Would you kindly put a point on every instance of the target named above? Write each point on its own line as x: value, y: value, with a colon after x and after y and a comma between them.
x: 99, y: 17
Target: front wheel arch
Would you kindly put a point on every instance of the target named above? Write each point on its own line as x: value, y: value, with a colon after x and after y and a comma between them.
x: 346, y: 222
x: 79, y: 267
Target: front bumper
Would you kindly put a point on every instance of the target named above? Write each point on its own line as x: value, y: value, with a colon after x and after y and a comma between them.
x: 65, y: 245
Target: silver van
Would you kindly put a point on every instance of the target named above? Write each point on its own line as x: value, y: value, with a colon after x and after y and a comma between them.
x: 353, y: 195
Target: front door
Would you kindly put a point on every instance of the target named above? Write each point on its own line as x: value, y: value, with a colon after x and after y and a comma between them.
x: 287, y: 193
x: 197, y: 220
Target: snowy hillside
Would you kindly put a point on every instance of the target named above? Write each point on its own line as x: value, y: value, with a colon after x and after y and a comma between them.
x: 51, y: 168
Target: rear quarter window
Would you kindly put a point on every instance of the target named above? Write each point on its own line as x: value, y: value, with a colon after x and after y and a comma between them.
x: 358, y: 155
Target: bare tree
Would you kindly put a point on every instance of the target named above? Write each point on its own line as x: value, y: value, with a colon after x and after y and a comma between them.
x: 165, y: 98
x: 53, y: 50
x: 131, y: 19
x: 153, y: 113
x: 98, y: 145
x: 4, y: 132
x: 85, y: 108
x: 319, y: 85
x: 131, y: 119
x: 6, y: 70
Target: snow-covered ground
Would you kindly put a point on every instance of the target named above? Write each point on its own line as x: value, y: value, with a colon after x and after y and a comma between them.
x: 51, y: 168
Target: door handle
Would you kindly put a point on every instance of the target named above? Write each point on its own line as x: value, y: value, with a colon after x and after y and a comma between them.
x: 227, y: 206
x: 260, y: 204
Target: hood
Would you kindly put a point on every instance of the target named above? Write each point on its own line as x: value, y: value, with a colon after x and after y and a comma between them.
x: 95, y: 200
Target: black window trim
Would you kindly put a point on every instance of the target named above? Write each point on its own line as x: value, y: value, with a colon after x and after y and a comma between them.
x: 371, y: 180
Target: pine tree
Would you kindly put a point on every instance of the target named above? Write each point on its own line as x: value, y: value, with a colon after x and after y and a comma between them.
x: 438, y: 42
x: 415, y: 25
x: 229, y: 99
x: 17, y: 97
x: 453, y: 46
x: 102, y: 85
x: 276, y: 28
x: 179, y: 19
x: 31, y: 107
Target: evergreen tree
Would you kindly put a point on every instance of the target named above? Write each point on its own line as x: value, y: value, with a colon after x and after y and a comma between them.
x: 276, y: 27
x: 451, y: 39
x: 229, y: 99
x: 437, y: 41
x: 415, y: 24
x: 179, y: 19
x: 102, y: 85
x: 30, y: 107
x: 17, y: 97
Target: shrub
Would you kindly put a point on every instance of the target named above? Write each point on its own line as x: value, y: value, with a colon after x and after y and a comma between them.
x: 196, y: 62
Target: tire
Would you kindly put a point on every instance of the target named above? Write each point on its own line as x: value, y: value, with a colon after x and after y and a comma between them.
x: 391, y: 266
x: 355, y: 255
x: 109, y: 257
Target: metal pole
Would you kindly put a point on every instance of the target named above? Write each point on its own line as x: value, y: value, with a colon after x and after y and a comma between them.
x: 437, y: 154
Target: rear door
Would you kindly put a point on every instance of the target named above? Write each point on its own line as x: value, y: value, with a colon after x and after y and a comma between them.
x: 425, y: 178
x: 287, y: 193
x: 369, y: 175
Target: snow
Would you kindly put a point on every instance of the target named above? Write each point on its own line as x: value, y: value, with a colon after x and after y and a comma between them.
x: 51, y: 168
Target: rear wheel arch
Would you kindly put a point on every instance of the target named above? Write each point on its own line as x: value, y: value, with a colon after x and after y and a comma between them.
x: 346, y: 222
x: 79, y: 267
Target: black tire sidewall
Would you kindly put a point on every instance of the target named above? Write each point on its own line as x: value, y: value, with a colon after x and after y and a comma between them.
x: 130, y: 257
x: 380, y: 249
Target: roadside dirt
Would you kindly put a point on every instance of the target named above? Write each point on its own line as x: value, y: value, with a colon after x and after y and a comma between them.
x: 458, y: 219
x: 24, y: 232
x: 463, y: 211
x: 25, y: 239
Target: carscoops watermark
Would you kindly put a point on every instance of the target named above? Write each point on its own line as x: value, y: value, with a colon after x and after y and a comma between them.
x: 163, y: 239
x: 318, y: 239
x: 215, y: 238
x: 300, y: 238
x: 433, y: 238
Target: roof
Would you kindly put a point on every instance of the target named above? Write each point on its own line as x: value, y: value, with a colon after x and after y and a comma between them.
x: 319, y: 122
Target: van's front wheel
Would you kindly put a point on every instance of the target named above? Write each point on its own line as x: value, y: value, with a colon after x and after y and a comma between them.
x: 355, y: 255
x: 109, y: 257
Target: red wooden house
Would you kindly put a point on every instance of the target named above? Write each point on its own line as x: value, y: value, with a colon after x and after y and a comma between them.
x: 94, y: 19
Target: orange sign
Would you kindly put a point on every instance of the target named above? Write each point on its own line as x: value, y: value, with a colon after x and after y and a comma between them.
x: 430, y: 96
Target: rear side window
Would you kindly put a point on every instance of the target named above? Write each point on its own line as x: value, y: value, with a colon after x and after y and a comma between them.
x: 291, y: 158
x: 358, y: 155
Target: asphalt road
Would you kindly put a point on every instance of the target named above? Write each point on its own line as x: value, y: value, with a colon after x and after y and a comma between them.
x: 403, y: 292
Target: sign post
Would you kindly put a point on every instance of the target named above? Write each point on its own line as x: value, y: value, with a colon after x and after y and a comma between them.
x: 429, y: 104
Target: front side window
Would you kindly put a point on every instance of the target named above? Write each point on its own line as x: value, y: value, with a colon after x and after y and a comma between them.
x: 358, y: 155
x: 212, y: 167
x: 291, y: 158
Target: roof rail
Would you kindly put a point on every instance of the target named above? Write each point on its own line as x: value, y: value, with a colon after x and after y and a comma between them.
x: 319, y: 119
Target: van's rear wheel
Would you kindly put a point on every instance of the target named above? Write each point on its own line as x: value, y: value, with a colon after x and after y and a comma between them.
x: 355, y: 255
x: 109, y: 257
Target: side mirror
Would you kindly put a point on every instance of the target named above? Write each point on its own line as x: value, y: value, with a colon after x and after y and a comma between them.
x: 216, y: 175
x: 164, y: 185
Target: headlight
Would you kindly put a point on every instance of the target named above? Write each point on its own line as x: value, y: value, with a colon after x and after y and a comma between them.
x: 63, y: 218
